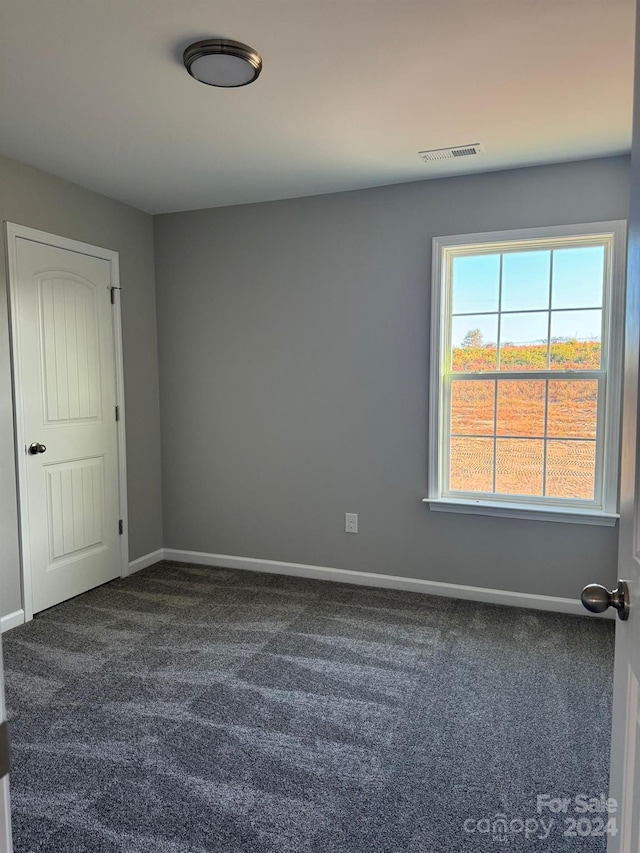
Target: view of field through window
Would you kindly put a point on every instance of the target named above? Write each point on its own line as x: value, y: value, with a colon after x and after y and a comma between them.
x: 537, y: 312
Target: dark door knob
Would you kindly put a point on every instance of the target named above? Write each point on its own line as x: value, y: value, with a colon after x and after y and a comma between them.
x: 36, y: 447
x: 597, y: 598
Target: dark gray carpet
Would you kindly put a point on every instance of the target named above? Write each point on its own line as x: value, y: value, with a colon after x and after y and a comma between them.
x: 195, y: 709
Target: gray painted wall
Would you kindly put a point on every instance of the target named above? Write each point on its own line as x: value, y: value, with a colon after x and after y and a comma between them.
x: 39, y: 200
x: 293, y: 343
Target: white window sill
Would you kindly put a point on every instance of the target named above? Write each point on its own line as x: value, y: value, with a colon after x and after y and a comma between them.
x: 533, y: 513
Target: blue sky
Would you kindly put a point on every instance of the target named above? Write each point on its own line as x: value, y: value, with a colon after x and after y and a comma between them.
x: 577, y: 284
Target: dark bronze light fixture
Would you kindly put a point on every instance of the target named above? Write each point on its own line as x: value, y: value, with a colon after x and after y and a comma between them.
x: 222, y: 62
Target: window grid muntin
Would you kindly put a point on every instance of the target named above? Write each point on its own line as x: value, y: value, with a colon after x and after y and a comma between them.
x: 495, y: 386
x: 516, y: 437
x: 448, y: 375
x: 546, y: 416
x: 549, y: 310
x: 545, y: 500
x: 523, y: 311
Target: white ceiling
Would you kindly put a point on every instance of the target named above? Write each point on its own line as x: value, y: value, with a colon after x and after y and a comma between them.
x: 94, y: 91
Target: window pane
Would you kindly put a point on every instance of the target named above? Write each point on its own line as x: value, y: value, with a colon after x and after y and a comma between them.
x: 472, y: 407
x: 519, y: 466
x: 575, y: 340
x: 571, y: 467
x: 523, y: 341
x: 572, y: 409
x: 471, y: 465
x: 475, y: 284
x: 473, y: 341
x: 525, y: 280
x: 578, y: 277
x: 520, y: 408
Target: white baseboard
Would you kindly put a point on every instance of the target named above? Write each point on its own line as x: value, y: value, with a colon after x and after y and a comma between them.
x: 145, y: 561
x: 11, y: 620
x: 449, y: 590
x: 301, y: 570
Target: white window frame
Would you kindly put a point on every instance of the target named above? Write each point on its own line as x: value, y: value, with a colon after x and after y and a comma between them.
x: 604, y: 510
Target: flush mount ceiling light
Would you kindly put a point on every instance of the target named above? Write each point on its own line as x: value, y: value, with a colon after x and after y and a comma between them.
x: 222, y: 62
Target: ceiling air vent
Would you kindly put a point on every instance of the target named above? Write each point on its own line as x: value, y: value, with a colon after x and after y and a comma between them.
x: 451, y: 153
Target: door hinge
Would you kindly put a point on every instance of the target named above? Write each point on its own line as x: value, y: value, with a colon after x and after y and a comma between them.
x: 121, y: 527
x: 113, y: 293
x: 5, y: 757
x: 117, y: 413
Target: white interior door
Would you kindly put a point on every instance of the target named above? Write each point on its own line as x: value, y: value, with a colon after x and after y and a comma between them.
x: 67, y: 439
x: 625, y: 747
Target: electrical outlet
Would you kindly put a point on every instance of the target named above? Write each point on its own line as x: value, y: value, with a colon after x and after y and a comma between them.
x: 351, y: 522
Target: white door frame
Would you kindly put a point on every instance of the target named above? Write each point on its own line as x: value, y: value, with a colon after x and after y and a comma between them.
x: 13, y: 231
